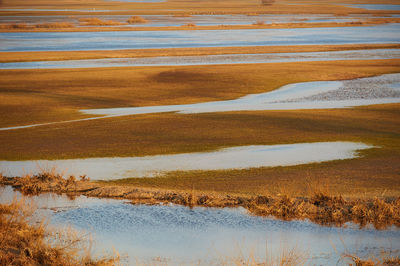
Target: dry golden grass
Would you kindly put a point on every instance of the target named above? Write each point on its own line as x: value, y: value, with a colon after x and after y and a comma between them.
x: 189, y: 25
x: 136, y: 20
x: 42, y: 26
x: 259, y: 23
x: 193, y: 7
x: 375, y: 174
x: 75, y: 55
x: 98, y: 22
x: 384, y: 260
x: 28, y: 91
x: 22, y: 243
x: 319, y: 207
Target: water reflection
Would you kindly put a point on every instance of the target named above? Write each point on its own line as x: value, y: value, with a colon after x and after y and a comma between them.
x: 110, y: 40
x: 229, y: 158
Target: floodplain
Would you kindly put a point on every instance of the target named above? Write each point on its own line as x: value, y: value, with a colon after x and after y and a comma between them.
x: 203, y: 132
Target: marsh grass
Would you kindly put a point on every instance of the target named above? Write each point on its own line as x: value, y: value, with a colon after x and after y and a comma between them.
x: 23, y: 242
x: 385, y: 259
x: 24, y: 26
x: 98, y: 22
x: 136, y: 20
x: 259, y: 23
x: 320, y: 207
x: 189, y: 25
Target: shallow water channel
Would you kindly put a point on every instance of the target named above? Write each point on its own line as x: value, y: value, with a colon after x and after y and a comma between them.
x: 307, y: 95
x: 111, y: 40
x: 298, y: 96
x: 241, y: 157
x: 210, y: 59
x: 180, y: 235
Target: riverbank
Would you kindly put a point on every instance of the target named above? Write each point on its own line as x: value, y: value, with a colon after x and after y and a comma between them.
x: 320, y: 208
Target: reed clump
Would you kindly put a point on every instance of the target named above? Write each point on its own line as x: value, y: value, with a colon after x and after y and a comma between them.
x: 48, y: 181
x: 259, y: 23
x: 98, y: 22
x: 22, y: 243
x: 189, y: 25
x: 383, y: 260
x: 24, y: 26
x: 136, y: 20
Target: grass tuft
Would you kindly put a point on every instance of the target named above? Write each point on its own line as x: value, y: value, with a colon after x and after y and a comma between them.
x: 98, y: 22
x: 136, y: 20
x: 22, y: 243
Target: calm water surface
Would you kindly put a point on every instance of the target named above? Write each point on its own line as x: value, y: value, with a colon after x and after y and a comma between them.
x: 72, y: 41
x: 209, y: 59
x: 241, y: 157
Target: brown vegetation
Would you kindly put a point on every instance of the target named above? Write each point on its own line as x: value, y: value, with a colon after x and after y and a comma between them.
x: 189, y: 25
x: 383, y: 260
x: 136, y: 20
x: 259, y: 23
x: 23, y: 26
x: 24, y: 243
x: 194, y: 7
x: 267, y: 2
x: 320, y: 208
x: 98, y: 22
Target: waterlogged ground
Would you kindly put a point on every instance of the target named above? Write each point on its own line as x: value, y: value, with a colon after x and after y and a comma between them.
x: 180, y: 235
x: 370, y: 54
x: 229, y: 158
x: 299, y: 96
x: 73, y: 41
x: 199, y: 20
x: 307, y: 95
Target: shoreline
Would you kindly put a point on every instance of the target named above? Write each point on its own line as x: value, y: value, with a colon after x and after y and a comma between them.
x: 320, y: 208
